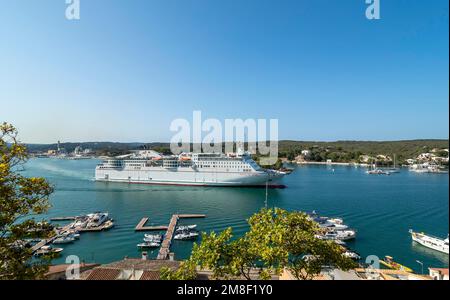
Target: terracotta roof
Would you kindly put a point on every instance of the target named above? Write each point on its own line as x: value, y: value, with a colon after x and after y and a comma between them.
x: 150, y: 275
x: 63, y: 267
x: 140, y: 264
x: 103, y: 274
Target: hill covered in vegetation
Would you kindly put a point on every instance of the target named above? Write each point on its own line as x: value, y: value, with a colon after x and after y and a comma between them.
x: 339, y: 151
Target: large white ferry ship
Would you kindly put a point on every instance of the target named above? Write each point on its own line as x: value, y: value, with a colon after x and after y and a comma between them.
x: 199, y: 169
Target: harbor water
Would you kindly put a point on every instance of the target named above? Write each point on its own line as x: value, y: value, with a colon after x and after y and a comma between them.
x: 381, y: 208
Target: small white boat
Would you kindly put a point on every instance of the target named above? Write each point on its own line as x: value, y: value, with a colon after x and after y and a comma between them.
x: 342, y: 235
x: 186, y: 236
x: 153, y: 237
x: 75, y: 235
x: 45, y: 250
x: 336, y: 221
x: 351, y: 255
x: 431, y: 242
x: 339, y: 242
x: 64, y: 240
x: 186, y: 228
x: 333, y: 226
x: 97, y: 219
x: 108, y: 225
x: 378, y: 172
x: 148, y: 245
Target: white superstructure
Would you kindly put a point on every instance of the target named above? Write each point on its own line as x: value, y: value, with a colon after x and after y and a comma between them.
x: 203, y: 169
x: 430, y: 241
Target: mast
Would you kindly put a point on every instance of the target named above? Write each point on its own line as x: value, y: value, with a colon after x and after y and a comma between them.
x: 267, y: 193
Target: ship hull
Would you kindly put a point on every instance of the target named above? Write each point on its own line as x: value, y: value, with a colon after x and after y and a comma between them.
x: 429, y: 243
x: 189, y: 178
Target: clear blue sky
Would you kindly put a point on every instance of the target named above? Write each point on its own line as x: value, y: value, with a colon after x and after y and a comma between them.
x: 128, y: 68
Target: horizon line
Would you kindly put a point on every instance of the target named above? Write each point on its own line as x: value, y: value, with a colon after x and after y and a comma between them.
x: 284, y: 140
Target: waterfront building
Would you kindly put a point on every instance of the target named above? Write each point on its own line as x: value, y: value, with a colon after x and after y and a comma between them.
x: 439, y: 273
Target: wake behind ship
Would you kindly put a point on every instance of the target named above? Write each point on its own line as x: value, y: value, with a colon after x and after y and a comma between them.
x: 197, y: 169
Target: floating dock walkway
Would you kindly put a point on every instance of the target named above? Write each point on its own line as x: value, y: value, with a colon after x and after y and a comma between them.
x: 170, y: 231
x: 141, y: 226
x: 164, y: 251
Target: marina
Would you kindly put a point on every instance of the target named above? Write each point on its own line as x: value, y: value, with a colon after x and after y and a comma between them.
x: 370, y: 204
x: 67, y: 234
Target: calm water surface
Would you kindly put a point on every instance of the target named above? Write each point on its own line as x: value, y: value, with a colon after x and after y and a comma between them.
x: 381, y: 208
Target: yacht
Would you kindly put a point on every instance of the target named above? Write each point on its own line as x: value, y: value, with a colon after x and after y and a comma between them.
x: 153, y: 238
x: 342, y: 235
x: 186, y: 236
x: 45, y: 250
x: 187, y: 227
x: 97, y: 219
x: 64, y: 240
x: 431, y: 242
x: 352, y: 255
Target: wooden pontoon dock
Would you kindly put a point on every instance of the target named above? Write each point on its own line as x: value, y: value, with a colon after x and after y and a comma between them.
x: 141, y: 226
x: 164, y: 251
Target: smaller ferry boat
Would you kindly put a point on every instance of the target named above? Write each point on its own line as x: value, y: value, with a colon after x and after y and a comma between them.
x: 431, y: 242
x: 389, y: 262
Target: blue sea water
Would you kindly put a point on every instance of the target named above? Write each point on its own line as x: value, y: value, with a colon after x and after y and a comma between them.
x: 381, y: 208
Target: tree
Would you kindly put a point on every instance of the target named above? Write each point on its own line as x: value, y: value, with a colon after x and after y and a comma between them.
x: 277, y: 239
x: 288, y: 240
x: 20, y: 199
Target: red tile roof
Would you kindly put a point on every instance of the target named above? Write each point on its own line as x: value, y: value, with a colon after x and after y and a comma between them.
x: 103, y: 274
x: 150, y: 275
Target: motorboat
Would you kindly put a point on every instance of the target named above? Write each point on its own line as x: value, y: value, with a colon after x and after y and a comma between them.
x: 340, y: 243
x: 153, y: 237
x: 146, y: 245
x: 431, y: 242
x: 64, y: 240
x: 187, y: 227
x: 352, y: 255
x: 333, y: 226
x: 45, y: 250
x: 378, y: 172
x: 108, y: 224
x: 336, y: 221
x: 342, y: 235
x: 186, y: 236
x: 97, y: 219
